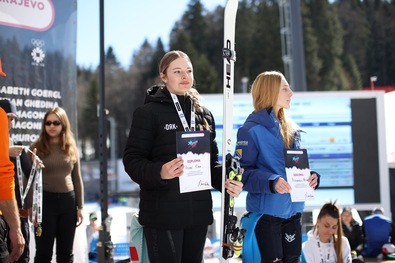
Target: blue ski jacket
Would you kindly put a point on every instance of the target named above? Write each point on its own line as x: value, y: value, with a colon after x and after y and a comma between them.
x: 260, y: 147
x: 378, y: 231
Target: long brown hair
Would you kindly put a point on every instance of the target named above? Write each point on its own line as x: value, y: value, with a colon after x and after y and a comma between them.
x: 348, y: 210
x: 264, y: 91
x: 331, y: 209
x: 193, y: 93
x: 66, y: 138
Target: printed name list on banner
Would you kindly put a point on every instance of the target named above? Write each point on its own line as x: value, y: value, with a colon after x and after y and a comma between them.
x: 298, y: 172
x: 31, y: 105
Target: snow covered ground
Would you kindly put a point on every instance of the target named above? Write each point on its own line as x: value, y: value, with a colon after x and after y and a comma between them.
x: 120, y: 228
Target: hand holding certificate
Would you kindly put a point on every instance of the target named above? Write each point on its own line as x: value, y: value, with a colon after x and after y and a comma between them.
x: 194, y: 148
x: 298, y: 172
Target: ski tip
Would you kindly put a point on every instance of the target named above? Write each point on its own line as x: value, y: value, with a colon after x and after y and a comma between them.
x: 232, y: 4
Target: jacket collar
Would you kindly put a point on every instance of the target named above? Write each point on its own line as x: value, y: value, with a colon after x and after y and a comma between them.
x: 263, y: 117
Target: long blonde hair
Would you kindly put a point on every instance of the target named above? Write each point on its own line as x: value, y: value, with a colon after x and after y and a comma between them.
x: 331, y: 209
x: 264, y: 91
x: 193, y: 93
x: 66, y: 138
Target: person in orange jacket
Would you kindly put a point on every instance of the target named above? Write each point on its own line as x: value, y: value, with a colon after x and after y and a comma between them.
x: 9, y: 219
x: 22, y: 169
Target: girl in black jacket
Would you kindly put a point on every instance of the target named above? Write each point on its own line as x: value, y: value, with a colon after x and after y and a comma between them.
x: 352, y: 230
x: 175, y: 224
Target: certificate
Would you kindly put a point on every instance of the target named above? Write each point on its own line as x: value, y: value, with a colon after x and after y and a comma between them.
x: 298, y: 172
x: 194, y: 148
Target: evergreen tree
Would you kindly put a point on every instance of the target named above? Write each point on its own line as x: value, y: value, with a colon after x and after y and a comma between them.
x: 216, y: 41
x: 205, y: 75
x: 89, y: 130
x: 84, y: 77
x: 245, y: 29
x: 206, y: 78
x: 195, y: 24
x: 311, y: 49
x: 117, y: 85
x: 375, y: 50
x: 110, y: 57
x: 356, y: 34
x: 157, y: 56
x: 266, y: 50
x: 351, y: 72
x: 329, y: 34
x: 139, y: 81
x: 390, y: 42
x: 380, y: 58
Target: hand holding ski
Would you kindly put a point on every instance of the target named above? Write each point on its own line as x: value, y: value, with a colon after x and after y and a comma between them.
x: 232, y: 235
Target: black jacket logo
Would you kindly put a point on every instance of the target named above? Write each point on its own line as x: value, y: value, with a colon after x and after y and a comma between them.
x: 171, y: 126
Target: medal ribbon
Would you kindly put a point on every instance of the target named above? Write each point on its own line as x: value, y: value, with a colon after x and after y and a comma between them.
x: 321, y: 255
x: 181, y: 114
x: 36, y: 173
x: 37, y: 197
x: 20, y: 174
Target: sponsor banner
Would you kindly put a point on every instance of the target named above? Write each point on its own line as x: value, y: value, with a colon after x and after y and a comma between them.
x: 38, y: 61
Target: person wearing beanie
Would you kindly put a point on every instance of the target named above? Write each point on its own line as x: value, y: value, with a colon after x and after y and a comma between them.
x: 9, y: 108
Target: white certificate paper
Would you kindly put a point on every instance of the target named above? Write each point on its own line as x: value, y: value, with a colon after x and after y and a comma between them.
x: 298, y: 172
x: 194, y: 148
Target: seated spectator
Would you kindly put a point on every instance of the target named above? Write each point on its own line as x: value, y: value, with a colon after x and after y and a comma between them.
x: 326, y: 242
x: 378, y: 230
x: 352, y: 230
x: 92, y: 235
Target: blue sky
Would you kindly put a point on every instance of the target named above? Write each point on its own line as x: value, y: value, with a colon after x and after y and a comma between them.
x: 127, y: 24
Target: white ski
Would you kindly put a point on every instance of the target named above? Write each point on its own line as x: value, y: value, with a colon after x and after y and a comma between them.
x: 231, y: 236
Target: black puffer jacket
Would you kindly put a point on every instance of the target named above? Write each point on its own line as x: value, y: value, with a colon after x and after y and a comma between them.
x: 152, y: 143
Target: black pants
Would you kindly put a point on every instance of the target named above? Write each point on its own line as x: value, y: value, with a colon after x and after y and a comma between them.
x: 279, y: 240
x: 4, y: 255
x: 59, y: 221
x: 25, y: 257
x: 176, y: 246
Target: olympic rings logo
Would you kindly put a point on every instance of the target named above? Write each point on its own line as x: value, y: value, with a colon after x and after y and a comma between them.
x: 38, y: 42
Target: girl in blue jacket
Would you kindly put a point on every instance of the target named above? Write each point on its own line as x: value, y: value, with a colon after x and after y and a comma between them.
x: 260, y: 143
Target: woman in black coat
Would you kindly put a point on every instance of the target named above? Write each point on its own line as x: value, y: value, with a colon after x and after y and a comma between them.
x: 174, y: 223
x: 352, y: 230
